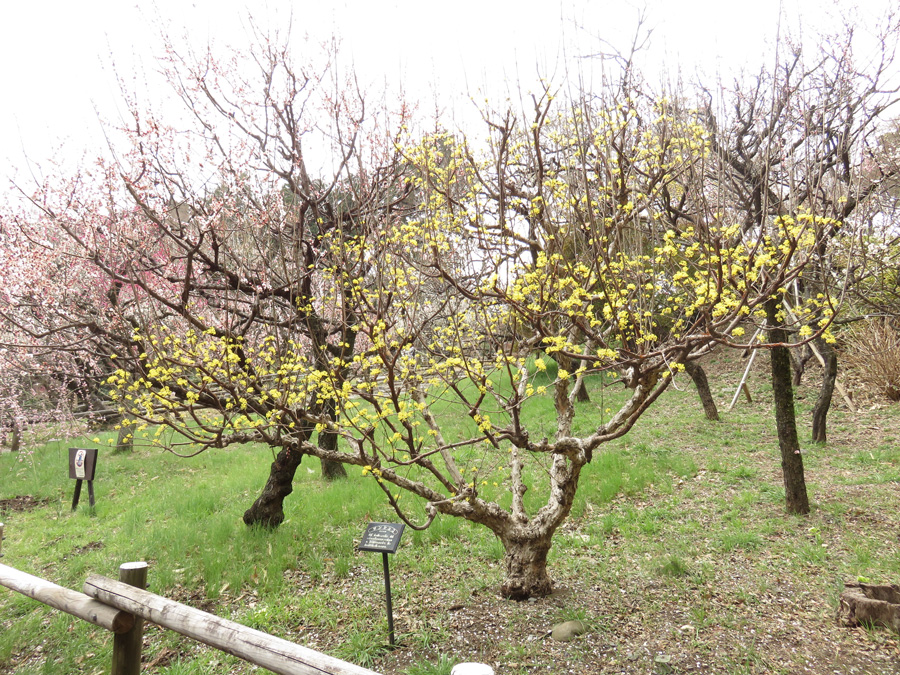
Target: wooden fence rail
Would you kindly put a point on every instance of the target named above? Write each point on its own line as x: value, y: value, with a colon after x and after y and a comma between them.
x: 273, y: 653
x: 121, y: 608
x: 71, y: 602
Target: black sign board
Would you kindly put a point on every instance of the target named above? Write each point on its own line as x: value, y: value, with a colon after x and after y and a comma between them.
x: 381, y: 537
x: 82, y: 463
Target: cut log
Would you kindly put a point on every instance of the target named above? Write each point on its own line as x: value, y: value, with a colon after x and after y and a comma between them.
x: 870, y: 604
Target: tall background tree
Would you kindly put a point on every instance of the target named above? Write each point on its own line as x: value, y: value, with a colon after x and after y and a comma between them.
x: 791, y: 143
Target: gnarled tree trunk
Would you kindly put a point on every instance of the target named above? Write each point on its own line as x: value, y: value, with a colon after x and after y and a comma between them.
x: 268, y: 509
x: 796, y: 498
x: 823, y: 403
x: 527, y: 541
x: 526, y: 567
x: 698, y: 375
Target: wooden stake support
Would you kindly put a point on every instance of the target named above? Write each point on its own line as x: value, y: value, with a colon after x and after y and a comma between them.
x: 743, y: 385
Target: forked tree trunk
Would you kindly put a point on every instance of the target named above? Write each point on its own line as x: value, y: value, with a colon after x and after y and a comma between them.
x: 823, y: 403
x: 527, y: 541
x: 796, y: 498
x: 698, y: 375
x: 526, y: 568
x: 268, y: 509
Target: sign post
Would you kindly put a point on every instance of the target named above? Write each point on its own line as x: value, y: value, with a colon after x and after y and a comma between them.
x: 82, y: 464
x: 384, y: 538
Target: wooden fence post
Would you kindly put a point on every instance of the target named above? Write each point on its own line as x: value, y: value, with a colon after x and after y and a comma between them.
x: 1, y: 540
x: 127, y: 647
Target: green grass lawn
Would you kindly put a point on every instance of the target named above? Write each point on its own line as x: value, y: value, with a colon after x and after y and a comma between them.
x: 678, y: 546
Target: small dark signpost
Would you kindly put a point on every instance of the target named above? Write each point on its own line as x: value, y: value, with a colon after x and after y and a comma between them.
x: 82, y: 464
x: 383, y: 537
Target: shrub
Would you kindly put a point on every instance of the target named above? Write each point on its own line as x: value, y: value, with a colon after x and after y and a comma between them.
x: 872, y: 351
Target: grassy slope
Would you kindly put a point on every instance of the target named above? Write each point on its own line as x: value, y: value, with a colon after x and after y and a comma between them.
x: 678, y: 547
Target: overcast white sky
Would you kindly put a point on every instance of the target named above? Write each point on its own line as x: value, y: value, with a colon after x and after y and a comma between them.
x: 57, y: 55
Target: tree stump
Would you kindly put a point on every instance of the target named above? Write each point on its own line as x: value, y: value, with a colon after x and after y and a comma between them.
x: 870, y: 604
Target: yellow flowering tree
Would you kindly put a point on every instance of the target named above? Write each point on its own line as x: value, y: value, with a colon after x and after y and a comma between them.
x: 438, y: 303
x: 621, y: 234
x: 574, y: 269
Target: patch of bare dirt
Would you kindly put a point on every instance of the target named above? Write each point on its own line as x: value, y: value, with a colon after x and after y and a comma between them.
x: 81, y: 550
x: 652, y: 629
x: 196, y: 598
x: 21, y: 503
